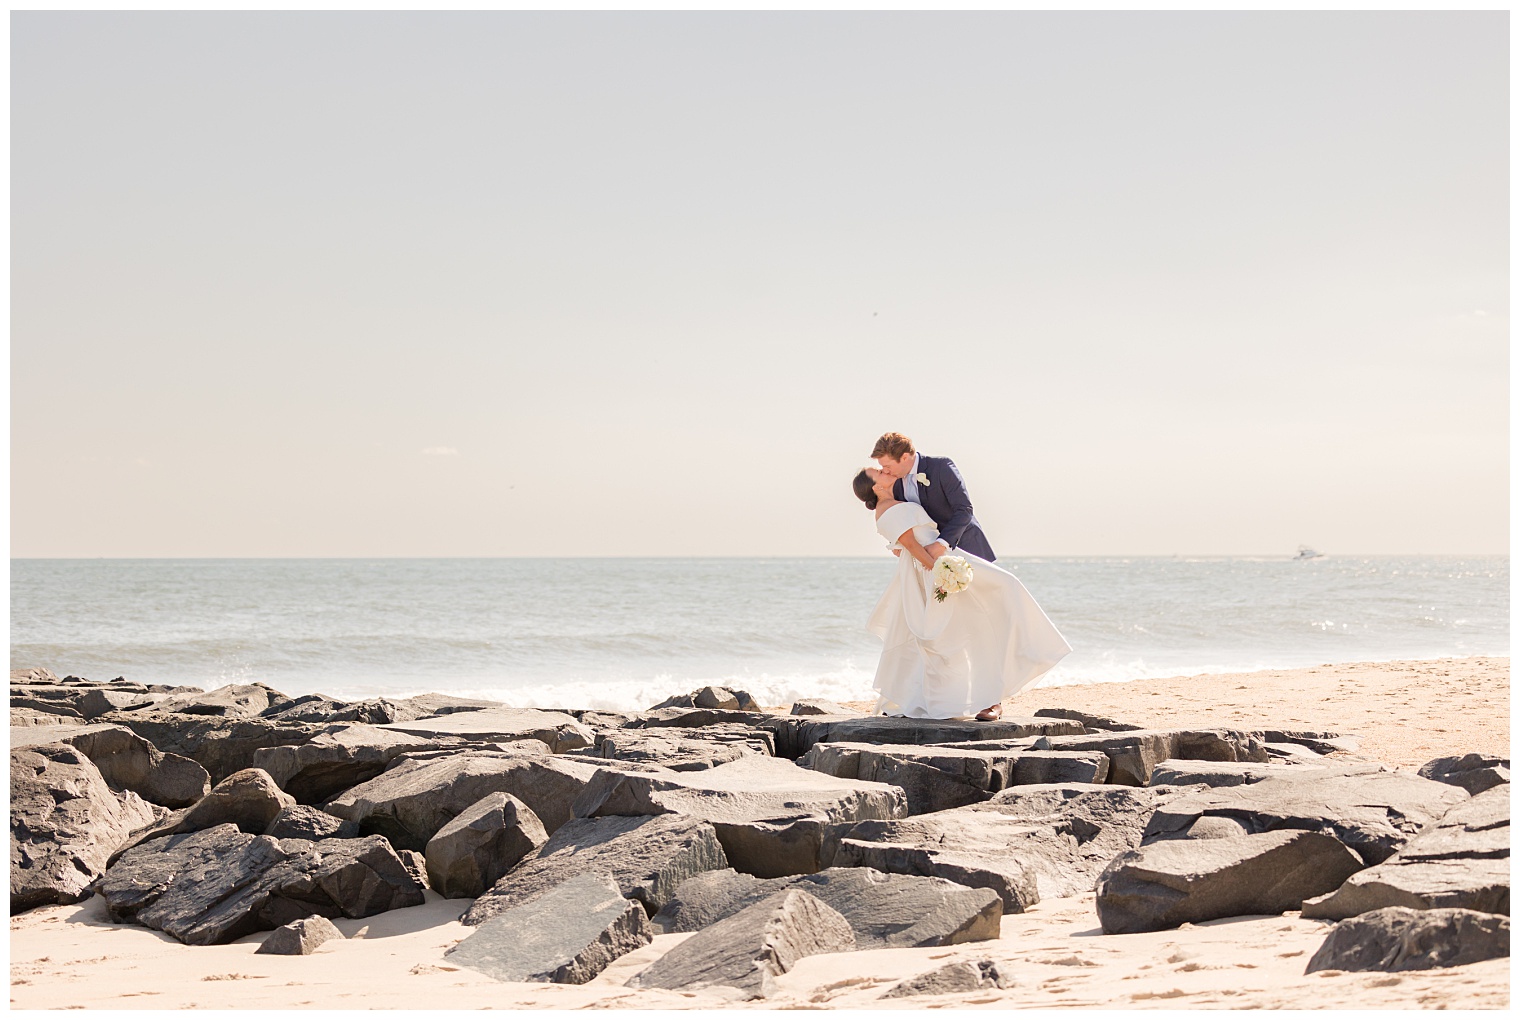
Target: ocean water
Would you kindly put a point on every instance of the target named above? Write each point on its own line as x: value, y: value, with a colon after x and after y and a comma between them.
x: 624, y: 633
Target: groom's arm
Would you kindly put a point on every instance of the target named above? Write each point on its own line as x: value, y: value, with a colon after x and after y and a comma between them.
x: 954, y: 490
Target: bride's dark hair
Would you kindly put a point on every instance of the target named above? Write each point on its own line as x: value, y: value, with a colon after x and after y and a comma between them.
x: 865, y: 490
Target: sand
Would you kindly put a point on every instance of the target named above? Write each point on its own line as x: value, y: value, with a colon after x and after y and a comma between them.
x: 1405, y: 713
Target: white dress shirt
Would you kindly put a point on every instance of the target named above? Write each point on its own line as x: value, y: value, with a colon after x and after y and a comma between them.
x: 910, y: 484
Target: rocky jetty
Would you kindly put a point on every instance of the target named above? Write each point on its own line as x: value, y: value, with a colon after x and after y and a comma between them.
x: 767, y: 837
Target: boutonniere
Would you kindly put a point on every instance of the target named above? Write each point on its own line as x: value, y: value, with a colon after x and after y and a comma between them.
x: 921, y: 478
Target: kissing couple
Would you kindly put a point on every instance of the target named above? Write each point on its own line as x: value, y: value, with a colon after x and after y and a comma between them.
x: 948, y: 652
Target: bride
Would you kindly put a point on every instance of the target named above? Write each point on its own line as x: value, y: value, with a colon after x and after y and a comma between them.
x: 945, y: 660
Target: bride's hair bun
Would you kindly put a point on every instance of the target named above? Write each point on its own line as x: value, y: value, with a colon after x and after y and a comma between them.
x: 865, y: 490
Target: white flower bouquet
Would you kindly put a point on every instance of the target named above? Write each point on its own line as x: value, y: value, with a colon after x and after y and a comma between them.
x: 951, y: 574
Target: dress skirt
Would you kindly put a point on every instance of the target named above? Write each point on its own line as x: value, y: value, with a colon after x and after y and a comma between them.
x: 951, y: 659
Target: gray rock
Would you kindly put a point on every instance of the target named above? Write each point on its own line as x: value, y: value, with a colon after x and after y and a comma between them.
x: 229, y: 702
x: 248, y: 799
x: 483, y: 843
x: 1472, y: 772
x: 1189, y: 880
x: 685, y: 750
x: 416, y: 866
x: 770, y: 815
x: 567, y: 935
x: 752, y: 948
x: 1374, y: 814
x: 128, y: 762
x: 1087, y: 719
x: 216, y: 885
x: 795, y: 735
x: 1461, y: 861
x: 1026, y: 844
x: 339, y: 757
x: 65, y: 823
x: 409, y: 803
x: 300, y: 938
x: 33, y: 675
x: 101, y: 700
x: 1318, y: 741
x: 1133, y: 755
x: 33, y: 719
x: 648, y: 856
x: 319, y: 708
x: 951, y: 979
x: 431, y: 706
x: 220, y: 745
x: 711, y: 697
x: 937, y: 778
x: 1401, y: 939
x: 819, y: 706
x: 1180, y: 772
x: 695, y: 716
x: 884, y: 911
x: 303, y: 822
x: 560, y: 731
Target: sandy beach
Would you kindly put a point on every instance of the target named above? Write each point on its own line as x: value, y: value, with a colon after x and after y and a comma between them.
x: 1404, y: 712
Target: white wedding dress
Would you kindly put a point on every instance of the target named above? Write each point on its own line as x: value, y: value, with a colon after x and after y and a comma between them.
x: 951, y: 659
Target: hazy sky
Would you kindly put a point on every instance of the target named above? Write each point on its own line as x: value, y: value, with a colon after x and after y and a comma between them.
x: 652, y: 284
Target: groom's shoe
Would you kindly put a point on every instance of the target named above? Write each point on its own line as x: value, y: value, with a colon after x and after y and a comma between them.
x: 991, y: 714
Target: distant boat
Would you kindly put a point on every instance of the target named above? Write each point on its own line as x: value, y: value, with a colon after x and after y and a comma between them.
x: 1305, y: 553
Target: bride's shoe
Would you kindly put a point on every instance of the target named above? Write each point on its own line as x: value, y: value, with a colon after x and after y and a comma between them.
x: 990, y: 714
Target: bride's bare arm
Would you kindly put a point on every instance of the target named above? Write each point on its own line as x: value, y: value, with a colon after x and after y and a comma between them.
x: 918, y: 552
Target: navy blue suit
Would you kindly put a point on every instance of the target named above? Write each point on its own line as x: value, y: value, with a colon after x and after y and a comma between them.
x: 946, y: 501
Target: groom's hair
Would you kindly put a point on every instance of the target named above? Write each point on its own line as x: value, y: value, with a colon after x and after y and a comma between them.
x: 894, y: 445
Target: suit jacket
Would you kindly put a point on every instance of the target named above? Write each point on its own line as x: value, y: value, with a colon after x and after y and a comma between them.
x: 946, y: 501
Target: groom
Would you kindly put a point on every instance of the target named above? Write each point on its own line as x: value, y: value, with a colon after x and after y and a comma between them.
x: 936, y: 485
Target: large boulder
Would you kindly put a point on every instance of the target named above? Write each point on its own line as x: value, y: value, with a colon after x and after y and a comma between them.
x: 685, y: 750
x: 65, y: 823
x: 1399, y: 939
x: 1461, y: 861
x: 1374, y: 813
x: 695, y: 717
x: 953, y: 978
x: 884, y: 911
x: 567, y: 935
x: 1472, y: 772
x: 770, y: 815
x: 796, y: 734
x: 222, y: 745
x: 217, y: 885
x: 648, y: 856
x: 1175, y: 881
x: 303, y: 822
x: 502, y: 725
x: 1134, y: 754
x: 430, y: 706
x: 248, y: 799
x: 481, y: 844
x: 128, y: 762
x: 1182, y: 772
x: 1026, y: 844
x: 820, y: 706
x: 711, y: 697
x: 749, y: 950
x: 339, y: 757
x: 410, y: 802
x: 78, y: 698
x: 233, y: 701
x: 300, y: 938
x: 1090, y: 722
x: 319, y: 708
x: 936, y: 778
